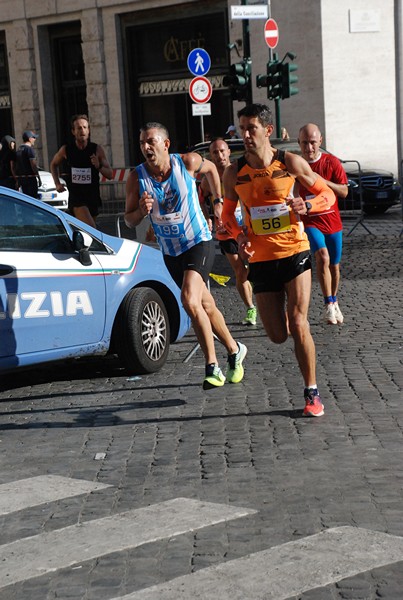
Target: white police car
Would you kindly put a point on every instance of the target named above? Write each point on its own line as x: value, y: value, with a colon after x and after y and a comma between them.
x: 68, y: 290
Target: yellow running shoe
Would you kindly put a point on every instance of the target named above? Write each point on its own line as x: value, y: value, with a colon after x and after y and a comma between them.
x: 214, y: 377
x: 251, y: 315
x: 235, y: 369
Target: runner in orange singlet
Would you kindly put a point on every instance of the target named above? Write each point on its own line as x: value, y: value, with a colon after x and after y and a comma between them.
x: 273, y: 238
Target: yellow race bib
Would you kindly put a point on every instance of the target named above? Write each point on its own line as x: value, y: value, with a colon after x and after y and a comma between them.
x: 269, y: 220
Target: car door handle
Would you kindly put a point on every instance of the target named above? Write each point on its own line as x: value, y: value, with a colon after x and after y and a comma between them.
x: 6, y: 270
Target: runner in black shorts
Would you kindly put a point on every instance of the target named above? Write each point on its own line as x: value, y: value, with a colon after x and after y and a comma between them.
x: 199, y: 258
x: 271, y: 275
x: 163, y: 188
x: 84, y: 161
x: 273, y: 239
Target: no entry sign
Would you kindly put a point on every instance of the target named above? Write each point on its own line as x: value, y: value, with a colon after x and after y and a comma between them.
x: 200, y: 90
x: 271, y: 33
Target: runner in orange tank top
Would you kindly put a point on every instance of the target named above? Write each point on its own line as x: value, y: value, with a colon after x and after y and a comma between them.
x: 273, y: 238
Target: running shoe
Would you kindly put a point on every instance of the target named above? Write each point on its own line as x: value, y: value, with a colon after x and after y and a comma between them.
x: 338, y: 313
x: 251, y: 315
x: 235, y: 369
x: 214, y: 377
x: 313, y: 404
x: 329, y: 315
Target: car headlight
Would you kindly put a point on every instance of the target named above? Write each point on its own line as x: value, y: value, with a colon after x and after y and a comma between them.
x: 352, y: 184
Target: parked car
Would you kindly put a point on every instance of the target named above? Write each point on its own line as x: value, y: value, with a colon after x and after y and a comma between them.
x: 48, y: 193
x: 380, y: 189
x: 68, y: 290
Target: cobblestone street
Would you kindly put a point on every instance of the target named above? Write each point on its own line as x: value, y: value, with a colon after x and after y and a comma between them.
x: 156, y: 450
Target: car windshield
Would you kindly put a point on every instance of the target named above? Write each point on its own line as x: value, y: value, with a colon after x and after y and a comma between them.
x: 27, y: 228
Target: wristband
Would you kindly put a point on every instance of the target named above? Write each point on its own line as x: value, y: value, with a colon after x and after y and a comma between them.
x: 218, y: 201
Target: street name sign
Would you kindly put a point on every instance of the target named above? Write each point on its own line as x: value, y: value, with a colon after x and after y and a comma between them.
x: 258, y: 11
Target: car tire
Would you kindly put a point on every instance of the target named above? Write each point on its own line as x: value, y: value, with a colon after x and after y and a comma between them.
x: 141, y: 332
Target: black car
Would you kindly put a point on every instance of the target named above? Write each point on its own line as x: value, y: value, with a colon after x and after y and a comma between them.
x: 379, y: 189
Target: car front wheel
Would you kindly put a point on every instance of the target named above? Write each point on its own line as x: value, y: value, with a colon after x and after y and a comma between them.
x: 141, y: 333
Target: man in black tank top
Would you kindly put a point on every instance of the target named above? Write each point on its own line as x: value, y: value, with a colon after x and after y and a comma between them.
x: 85, y: 160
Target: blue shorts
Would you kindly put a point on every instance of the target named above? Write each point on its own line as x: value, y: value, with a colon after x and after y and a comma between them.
x: 332, y: 241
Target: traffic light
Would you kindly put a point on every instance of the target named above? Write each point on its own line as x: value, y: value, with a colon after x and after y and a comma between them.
x: 288, y: 79
x: 273, y: 80
x: 239, y: 80
x: 279, y: 78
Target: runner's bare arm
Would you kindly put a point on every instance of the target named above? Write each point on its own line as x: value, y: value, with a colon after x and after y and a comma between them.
x: 228, y: 214
x: 230, y: 201
x: 195, y: 164
x: 323, y: 198
x: 204, y: 193
x: 340, y: 189
x: 136, y: 208
x: 56, y: 161
x: 102, y: 164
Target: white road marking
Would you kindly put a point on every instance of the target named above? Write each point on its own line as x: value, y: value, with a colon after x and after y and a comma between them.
x: 286, y: 570
x: 40, y: 554
x: 24, y: 493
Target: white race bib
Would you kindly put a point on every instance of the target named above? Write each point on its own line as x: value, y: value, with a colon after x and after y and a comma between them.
x: 81, y: 175
x: 169, y: 225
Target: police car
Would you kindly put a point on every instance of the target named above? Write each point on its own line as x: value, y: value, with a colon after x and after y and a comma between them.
x: 68, y: 290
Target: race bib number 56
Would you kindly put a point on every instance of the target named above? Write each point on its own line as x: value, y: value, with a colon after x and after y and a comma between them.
x: 270, y: 219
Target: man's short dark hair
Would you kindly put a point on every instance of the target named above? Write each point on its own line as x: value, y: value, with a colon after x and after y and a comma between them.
x: 155, y: 125
x: 75, y: 118
x: 260, y: 111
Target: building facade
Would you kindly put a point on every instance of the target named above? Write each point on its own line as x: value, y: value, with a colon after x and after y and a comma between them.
x: 125, y: 63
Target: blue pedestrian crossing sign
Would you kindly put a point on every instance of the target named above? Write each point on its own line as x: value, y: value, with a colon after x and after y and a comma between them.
x: 199, y: 62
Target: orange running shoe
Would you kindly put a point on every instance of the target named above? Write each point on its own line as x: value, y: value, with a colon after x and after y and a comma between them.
x: 313, y: 404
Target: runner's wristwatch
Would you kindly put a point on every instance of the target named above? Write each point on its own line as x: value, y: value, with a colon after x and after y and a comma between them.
x: 308, y: 207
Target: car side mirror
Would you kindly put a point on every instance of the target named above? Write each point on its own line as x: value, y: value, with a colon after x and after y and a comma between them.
x: 81, y: 242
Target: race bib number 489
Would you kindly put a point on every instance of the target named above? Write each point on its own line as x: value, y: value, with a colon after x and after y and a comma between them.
x: 270, y: 219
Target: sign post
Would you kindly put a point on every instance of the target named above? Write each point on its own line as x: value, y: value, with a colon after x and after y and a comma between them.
x: 271, y: 36
x: 200, y: 88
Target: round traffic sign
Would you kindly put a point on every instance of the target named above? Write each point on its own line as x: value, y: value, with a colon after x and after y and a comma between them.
x: 200, y: 90
x: 271, y: 33
x: 199, y: 62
